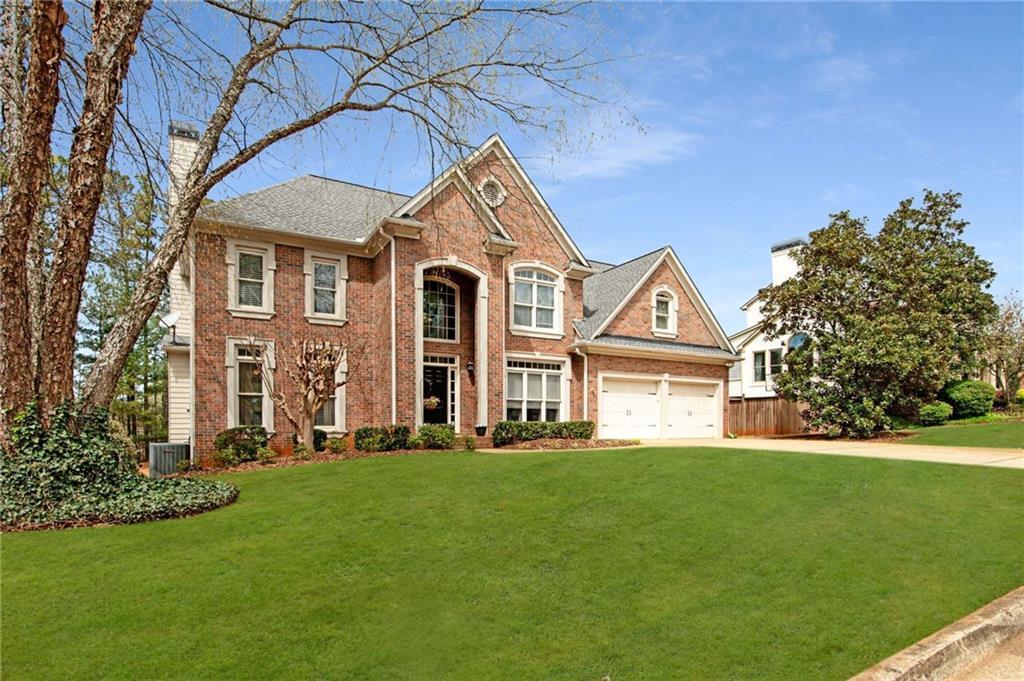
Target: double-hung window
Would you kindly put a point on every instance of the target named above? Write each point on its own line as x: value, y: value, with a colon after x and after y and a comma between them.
x: 250, y: 279
x: 536, y: 294
x: 759, y: 367
x: 440, y: 310
x: 776, y: 362
x: 251, y: 268
x: 534, y: 391
x: 664, y: 311
x: 326, y: 275
x: 249, y: 389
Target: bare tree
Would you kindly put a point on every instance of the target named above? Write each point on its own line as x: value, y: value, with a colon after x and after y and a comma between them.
x: 313, y: 366
x: 254, y: 74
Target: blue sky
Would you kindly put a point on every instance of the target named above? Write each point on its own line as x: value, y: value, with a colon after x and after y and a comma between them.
x: 757, y: 121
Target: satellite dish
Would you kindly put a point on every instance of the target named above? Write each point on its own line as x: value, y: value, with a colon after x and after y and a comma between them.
x: 170, y: 319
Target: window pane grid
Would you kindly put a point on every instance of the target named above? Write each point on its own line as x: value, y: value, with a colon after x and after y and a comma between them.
x: 250, y: 279
x: 325, y: 287
x: 534, y: 391
x: 439, y: 317
x: 533, y: 299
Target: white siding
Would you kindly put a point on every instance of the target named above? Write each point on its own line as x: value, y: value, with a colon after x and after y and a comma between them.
x: 179, y: 388
x: 180, y: 301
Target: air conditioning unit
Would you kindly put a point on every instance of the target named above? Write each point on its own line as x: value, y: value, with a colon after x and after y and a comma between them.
x: 164, y: 457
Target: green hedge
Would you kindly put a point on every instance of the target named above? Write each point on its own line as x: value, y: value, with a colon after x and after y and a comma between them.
x: 245, y: 441
x: 934, y: 414
x: 75, y: 471
x: 382, y: 439
x: 437, y: 436
x: 510, y: 432
x: 969, y: 398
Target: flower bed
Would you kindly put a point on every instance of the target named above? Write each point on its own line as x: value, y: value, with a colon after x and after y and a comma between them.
x: 566, y: 443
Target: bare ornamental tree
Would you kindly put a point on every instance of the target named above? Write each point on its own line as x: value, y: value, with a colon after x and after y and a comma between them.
x: 250, y: 74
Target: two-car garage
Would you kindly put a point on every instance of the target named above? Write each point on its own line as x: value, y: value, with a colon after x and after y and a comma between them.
x: 652, y: 407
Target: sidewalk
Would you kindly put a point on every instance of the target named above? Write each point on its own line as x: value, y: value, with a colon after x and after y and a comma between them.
x: 971, y: 456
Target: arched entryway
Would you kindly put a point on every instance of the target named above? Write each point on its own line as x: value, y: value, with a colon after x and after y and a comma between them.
x: 443, y: 280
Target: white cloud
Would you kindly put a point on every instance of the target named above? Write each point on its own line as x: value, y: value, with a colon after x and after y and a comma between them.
x: 616, y: 145
x: 840, y: 73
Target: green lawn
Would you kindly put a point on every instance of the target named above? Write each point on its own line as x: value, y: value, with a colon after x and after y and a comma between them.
x: 1003, y: 434
x: 642, y: 563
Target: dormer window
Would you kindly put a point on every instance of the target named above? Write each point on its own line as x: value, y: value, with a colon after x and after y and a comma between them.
x: 536, y: 293
x: 664, y: 312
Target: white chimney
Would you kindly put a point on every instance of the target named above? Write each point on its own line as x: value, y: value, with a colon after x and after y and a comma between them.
x: 182, y: 146
x: 783, y: 264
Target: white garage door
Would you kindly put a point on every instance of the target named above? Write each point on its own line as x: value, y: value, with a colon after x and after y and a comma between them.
x: 630, y: 409
x: 651, y: 409
x: 690, y: 411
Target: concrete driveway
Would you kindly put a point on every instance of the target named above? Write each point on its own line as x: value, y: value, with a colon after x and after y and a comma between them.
x: 970, y: 456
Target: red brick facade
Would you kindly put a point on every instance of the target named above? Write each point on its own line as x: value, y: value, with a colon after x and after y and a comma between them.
x: 453, y: 231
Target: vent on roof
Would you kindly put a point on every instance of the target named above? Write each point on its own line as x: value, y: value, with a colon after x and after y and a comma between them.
x: 492, y: 192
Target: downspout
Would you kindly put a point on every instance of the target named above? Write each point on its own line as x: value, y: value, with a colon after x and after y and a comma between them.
x: 394, y: 340
x: 586, y: 385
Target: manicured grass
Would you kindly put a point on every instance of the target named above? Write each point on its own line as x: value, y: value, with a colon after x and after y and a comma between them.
x: 642, y: 563
x: 1003, y: 434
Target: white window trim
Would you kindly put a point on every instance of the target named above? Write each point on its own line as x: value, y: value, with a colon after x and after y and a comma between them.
x: 266, y: 249
x: 558, y: 330
x: 753, y: 368
x: 565, y: 405
x: 340, y: 427
x: 673, y: 312
x: 458, y: 309
x: 231, y: 365
x: 452, y: 363
x: 340, y: 291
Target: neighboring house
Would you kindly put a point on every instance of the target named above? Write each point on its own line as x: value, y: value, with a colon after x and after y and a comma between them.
x: 762, y: 358
x: 467, y: 303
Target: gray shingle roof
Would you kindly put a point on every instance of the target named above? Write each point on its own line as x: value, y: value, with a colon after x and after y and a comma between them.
x: 653, y: 344
x: 310, y: 205
x: 602, y: 292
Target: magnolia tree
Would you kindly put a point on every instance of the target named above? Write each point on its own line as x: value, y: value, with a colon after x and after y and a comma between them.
x: 91, y: 81
x: 891, y: 317
x: 1005, y: 338
x: 314, y: 368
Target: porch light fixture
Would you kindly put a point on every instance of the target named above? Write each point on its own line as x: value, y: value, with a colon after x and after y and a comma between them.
x: 470, y: 367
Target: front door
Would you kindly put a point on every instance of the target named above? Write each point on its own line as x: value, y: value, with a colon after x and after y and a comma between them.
x: 436, y: 390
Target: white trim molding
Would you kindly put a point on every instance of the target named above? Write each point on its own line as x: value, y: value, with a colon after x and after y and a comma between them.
x: 557, y: 330
x: 502, y: 193
x: 672, y: 330
x: 564, y: 384
x: 482, y: 337
x: 340, y: 262
x: 264, y: 249
x: 231, y: 346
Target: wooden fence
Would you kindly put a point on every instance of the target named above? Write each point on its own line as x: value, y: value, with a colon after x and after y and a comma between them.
x: 764, y: 416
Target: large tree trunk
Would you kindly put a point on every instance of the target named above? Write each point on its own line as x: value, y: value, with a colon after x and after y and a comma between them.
x: 116, y: 25
x: 29, y: 163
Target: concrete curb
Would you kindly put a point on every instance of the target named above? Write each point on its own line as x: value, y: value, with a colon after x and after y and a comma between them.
x: 950, y: 649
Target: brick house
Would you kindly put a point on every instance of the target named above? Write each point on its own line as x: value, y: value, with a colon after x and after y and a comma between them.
x: 467, y: 303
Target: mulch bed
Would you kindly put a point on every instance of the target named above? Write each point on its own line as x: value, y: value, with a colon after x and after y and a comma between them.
x: 886, y: 436
x: 552, y: 443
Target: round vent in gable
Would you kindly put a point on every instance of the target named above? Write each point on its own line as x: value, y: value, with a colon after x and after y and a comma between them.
x: 492, y: 191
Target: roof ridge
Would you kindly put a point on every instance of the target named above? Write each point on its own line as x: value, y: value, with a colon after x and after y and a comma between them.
x: 353, y: 184
x: 623, y: 264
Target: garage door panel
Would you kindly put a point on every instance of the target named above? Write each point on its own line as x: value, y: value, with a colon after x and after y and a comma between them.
x: 636, y: 408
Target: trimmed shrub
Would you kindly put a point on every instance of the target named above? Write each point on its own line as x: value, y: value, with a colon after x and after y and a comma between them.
x: 75, y: 472
x: 510, y: 432
x: 337, y: 445
x: 394, y: 437
x: 469, y: 443
x: 319, y: 439
x: 369, y: 439
x: 416, y: 442
x: 265, y: 455
x: 1020, y: 397
x: 437, y: 436
x: 244, y: 440
x: 969, y: 398
x: 934, y: 414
